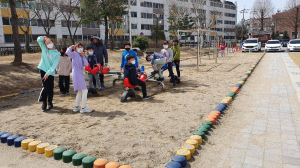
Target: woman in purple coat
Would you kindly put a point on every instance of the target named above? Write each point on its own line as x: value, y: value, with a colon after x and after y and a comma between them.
x: 78, y: 63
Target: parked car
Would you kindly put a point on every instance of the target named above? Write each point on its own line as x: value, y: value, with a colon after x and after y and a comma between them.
x: 294, y: 45
x: 273, y: 45
x: 284, y: 42
x: 252, y: 44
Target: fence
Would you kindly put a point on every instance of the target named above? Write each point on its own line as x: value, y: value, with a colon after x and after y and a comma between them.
x: 4, y: 51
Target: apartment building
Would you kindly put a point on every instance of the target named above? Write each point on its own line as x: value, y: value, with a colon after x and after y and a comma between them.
x: 143, y: 16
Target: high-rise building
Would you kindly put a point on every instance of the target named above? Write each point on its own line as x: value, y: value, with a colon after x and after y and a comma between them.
x: 143, y: 16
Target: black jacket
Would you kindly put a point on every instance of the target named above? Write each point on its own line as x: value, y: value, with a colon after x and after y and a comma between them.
x: 130, y: 73
x: 100, y: 52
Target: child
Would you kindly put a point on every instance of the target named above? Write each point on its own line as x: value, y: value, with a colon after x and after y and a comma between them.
x: 130, y: 73
x: 92, y: 60
x: 64, y: 69
x: 128, y: 51
x: 168, y: 53
x: 49, y: 61
x: 157, y: 62
x: 223, y: 47
x: 78, y: 62
x: 176, y: 57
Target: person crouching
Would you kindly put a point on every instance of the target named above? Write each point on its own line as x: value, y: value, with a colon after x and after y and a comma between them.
x: 131, y: 73
x: 157, y: 62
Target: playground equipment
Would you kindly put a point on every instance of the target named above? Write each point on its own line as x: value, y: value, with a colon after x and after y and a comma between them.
x: 143, y: 77
x: 200, y: 33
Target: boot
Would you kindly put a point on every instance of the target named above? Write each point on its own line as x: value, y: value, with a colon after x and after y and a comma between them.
x: 44, y: 106
x: 178, y: 81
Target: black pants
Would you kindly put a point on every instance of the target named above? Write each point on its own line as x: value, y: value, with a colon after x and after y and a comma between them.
x: 177, y: 68
x: 170, y: 69
x: 143, y: 85
x: 101, y: 76
x: 64, y: 80
x: 47, y: 90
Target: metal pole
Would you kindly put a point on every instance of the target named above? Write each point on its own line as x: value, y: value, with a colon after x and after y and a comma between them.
x: 198, y: 50
x: 217, y: 50
x: 209, y: 43
x: 129, y: 17
x: 200, y: 46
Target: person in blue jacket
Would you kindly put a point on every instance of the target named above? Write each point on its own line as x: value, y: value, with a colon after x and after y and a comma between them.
x: 101, y: 53
x: 128, y: 51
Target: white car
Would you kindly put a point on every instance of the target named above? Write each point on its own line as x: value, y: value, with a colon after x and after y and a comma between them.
x: 252, y: 44
x: 273, y: 45
x: 294, y: 45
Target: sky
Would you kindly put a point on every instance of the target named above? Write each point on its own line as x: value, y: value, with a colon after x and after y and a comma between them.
x: 278, y: 4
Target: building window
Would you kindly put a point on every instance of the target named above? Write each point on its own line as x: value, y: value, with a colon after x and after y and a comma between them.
x: 216, y: 4
x: 229, y: 15
x: 147, y: 4
x: 6, y: 21
x: 280, y: 22
x: 8, y: 38
x: 293, y: 34
x: 33, y: 22
x: 134, y: 14
x: 158, y: 6
x: 74, y: 24
x: 64, y: 23
x: 230, y: 7
x: 133, y: 2
x: 229, y: 22
x: 133, y: 26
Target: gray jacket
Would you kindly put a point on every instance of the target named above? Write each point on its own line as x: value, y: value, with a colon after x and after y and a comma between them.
x: 168, y: 54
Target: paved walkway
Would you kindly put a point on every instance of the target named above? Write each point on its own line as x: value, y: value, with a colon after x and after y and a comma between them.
x: 262, y: 126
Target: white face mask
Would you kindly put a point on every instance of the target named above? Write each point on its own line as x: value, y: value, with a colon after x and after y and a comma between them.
x: 50, y: 45
x: 133, y: 62
x: 166, y: 46
x: 79, y: 50
x: 91, y: 53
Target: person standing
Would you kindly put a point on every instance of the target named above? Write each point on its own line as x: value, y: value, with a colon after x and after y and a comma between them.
x: 100, y: 51
x: 78, y: 63
x: 127, y: 52
x: 223, y: 47
x: 49, y: 61
x: 92, y: 60
x: 168, y: 53
x: 176, y: 57
x: 64, y: 69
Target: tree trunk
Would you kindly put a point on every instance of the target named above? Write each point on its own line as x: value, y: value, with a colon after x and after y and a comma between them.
x: 71, y: 35
x: 15, y: 29
x: 27, y: 46
x: 111, y: 36
x: 262, y: 20
x: 106, y: 30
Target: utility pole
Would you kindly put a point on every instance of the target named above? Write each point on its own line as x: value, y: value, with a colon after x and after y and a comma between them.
x: 243, y: 20
x: 296, y: 26
x: 129, y: 17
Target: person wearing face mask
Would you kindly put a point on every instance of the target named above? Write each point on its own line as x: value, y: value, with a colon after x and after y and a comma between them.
x: 92, y: 60
x: 101, y: 53
x: 127, y: 52
x: 49, y: 61
x: 168, y: 53
x: 130, y: 72
x: 176, y: 57
x: 64, y: 69
x: 78, y: 63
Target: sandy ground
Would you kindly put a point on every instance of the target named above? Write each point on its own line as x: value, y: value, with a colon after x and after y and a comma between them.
x: 144, y: 134
x: 296, y: 57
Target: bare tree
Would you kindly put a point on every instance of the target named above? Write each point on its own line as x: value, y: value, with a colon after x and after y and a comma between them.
x: 262, y: 9
x: 292, y: 7
x: 15, y: 30
x: 46, y: 12
x: 68, y: 9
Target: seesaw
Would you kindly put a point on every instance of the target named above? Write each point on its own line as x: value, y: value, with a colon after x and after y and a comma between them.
x: 106, y: 70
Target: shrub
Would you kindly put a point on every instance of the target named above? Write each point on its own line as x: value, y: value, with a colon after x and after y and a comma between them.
x: 141, y: 42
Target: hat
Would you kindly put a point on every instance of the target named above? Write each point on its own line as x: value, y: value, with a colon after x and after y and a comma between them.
x: 96, y: 37
x: 166, y: 42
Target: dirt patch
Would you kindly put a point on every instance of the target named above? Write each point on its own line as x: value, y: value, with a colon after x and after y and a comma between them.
x: 144, y: 134
x: 295, y: 57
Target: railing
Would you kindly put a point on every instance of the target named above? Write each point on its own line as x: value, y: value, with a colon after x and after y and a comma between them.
x: 4, y: 51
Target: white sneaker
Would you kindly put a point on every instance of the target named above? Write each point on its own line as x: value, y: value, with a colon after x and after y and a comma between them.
x: 85, y: 110
x: 76, y: 108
